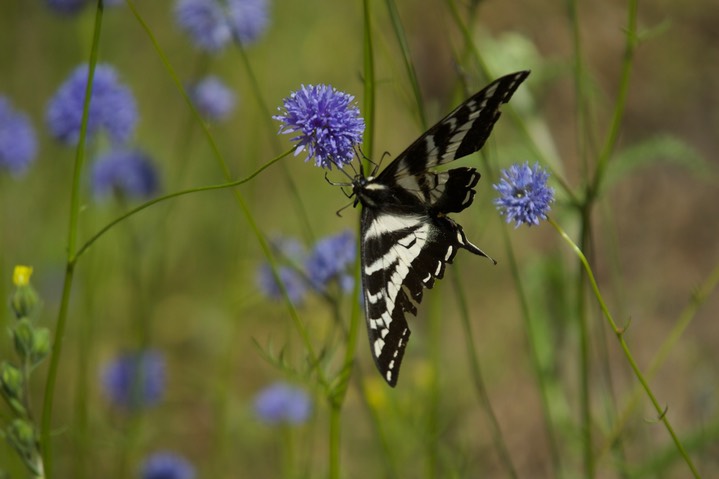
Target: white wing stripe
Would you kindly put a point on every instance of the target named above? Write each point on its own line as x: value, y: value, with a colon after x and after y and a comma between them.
x: 384, y: 224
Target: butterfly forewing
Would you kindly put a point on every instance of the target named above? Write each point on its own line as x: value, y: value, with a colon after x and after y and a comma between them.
x: 407, y: 239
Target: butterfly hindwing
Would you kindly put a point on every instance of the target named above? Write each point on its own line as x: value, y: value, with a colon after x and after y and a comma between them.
x: 401, y: 255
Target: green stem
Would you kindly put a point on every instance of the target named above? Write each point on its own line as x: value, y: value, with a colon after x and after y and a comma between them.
x: 46, y: 422
x: 169, y: 196
x: 621, y: 101
x: 619, y: 333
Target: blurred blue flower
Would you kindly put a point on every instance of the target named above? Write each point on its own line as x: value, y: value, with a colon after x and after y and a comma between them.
x: 167, y: 465
x: 328, y: 123
x: 127, y: 172
x: 66, y: 7
x: 282, y: 403
x: 248, y: 19
x: 18, y: 144
x: 135, y: 380
x: 213, y: 24
x: 331, y: 259
x: 112, y: 107
x: 205, y: 21
x: 293, y: 282
x: 212, y: 98
x: 524, y: 194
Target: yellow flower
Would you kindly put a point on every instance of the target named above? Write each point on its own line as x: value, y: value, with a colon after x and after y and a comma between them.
x: 21, y: 275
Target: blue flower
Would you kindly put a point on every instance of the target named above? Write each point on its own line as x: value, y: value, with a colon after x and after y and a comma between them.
x: 330, y: 259
x: 524, y: 194
x: 167, y: 465
x: 328, y: 122
x: 135, y: 379
x: 126, y: 172
x: 282, y: 403
x: 213, y: 24
x: 112, y: 107
x: 18, y: 144
x: 212, y: 98
x: 248, y: 19
x: 293, y: 282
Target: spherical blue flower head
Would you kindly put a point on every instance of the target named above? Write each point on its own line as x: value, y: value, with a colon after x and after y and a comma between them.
x: 18, y: 144
x: 248, y: 19
x: 330, y: 259
x: 524, y: 194
x: 328, y: 122
x: 293, y: 282
x: 212, y: 98
x: 112, y: 107
x: 206, y: 22
x: 135, y: 380
x: 167, y: 465
x: 126, y: 172
x: 282, y: 403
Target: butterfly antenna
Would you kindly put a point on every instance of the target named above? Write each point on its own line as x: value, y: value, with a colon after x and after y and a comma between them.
x: 339, y: 211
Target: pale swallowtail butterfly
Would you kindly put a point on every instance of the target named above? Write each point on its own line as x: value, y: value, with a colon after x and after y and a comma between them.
x: 406, y: 235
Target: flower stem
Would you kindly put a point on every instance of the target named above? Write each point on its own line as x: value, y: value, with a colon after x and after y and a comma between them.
x: 46, y: 421
x: 619, y: 333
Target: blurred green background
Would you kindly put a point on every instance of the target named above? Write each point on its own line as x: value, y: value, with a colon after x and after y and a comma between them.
x: 184, y: 271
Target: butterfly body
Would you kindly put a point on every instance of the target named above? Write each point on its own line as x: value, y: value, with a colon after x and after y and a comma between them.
x: 406, y: 236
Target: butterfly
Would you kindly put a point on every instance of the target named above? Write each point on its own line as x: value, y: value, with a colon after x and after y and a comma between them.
x: 406, y: 236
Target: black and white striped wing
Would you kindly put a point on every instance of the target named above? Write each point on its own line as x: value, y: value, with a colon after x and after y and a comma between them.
x: 401, y: 255
x: 462, y: 132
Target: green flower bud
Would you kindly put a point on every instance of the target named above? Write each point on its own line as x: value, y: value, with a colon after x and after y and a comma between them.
x: 21, y: 436
x: 23, y: 336
x: 11, y: 386
x: 40, y: 345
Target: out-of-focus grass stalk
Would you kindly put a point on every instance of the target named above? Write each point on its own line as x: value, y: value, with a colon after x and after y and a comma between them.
x: 46, y: 421
x: 407, y: 59
x: 585, y: 368
x: 685, y: 318
x: 338, y: 393
x: 476, y: 371
x: 619, y: 333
